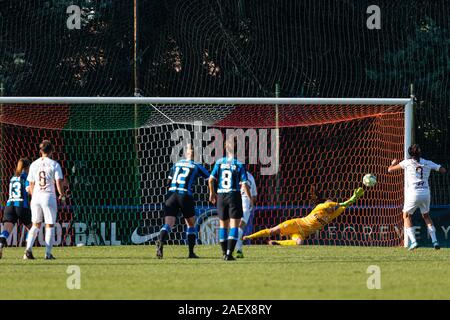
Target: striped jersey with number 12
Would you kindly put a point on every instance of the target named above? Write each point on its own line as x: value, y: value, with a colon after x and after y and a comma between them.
x: 184, y: 174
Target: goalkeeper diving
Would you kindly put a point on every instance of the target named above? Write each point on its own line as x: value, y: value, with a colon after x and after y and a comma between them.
x: 300, y: 229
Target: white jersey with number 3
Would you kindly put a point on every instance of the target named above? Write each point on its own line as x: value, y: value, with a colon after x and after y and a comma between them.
x: 416, y: 175
x: 44, y: 172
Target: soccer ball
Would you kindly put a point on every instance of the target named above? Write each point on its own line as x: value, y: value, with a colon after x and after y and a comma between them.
x: 369, y: 180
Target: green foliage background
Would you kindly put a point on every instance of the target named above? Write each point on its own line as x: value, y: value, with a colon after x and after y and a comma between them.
x: 311, y: 48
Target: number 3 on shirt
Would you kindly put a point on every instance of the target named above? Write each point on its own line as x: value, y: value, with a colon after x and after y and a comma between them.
x: 16, y: 192
x: 226, y: 179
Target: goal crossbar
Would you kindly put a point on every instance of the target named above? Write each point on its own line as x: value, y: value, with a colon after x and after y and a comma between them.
x: 203, y: 100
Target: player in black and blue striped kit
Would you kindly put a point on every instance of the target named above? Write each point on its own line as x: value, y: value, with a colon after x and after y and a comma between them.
x: 18, y: 205
x: 230, y: 174
x: 183, y: 176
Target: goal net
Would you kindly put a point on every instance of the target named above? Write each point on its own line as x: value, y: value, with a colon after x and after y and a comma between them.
x: 116, y: 154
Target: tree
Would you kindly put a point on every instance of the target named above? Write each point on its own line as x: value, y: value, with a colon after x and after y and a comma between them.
x: 425, y: 63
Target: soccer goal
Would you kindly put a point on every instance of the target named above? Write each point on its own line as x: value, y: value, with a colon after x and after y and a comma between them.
x: 116, y: 154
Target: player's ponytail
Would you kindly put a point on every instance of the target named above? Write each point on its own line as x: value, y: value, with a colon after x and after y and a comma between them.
x: 315, y: 197
x: 415, y: 152
x: 22, y: 164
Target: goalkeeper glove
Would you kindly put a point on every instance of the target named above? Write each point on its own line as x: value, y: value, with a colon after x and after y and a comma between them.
x: 358, y: 193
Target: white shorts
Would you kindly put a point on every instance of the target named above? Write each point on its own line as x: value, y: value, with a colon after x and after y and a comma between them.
x: 246, y: 210
x: 415, y: 202
x: 43, y: 209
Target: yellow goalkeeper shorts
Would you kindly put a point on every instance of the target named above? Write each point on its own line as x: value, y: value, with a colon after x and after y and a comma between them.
x: 291, y: 227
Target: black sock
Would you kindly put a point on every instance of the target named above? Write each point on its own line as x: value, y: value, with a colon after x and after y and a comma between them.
x: 191, y: 242
x: 163, y: 235
x: 224, y: 246
x: 231, y: 244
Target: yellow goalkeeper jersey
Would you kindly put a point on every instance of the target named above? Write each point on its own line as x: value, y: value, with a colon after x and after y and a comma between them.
x: 319, y: 217
x: 316, y: 220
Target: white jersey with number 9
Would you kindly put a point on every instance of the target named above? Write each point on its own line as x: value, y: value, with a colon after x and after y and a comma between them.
x: 417, y: 175
x: 44, y: 172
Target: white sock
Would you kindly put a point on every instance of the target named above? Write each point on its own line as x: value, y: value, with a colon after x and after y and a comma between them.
x: 49, y: 235
x: 432, y: 232
x: 411, y: 232
x: 239, y: 242
x: 32, y: 235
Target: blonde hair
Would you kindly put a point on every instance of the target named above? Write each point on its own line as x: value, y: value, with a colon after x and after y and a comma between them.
x: 22, y: 164
x: 229, y: 145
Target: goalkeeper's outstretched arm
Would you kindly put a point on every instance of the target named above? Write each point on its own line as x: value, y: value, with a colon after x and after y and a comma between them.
x: 358, y: 193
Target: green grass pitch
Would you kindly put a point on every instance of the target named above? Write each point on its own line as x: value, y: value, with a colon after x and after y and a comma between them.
x: 308, y: 272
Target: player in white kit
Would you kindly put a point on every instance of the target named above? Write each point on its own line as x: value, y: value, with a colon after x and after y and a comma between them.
x: 43, y: 175
x: 247, y: 211
x: 417, y: 192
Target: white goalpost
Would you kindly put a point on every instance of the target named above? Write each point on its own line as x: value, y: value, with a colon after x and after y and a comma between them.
x: 101, y: 138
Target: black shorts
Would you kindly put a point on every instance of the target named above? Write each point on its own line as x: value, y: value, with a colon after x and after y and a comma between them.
x: 12, y: 214
x: 229, y: 205
x: 176, y: 202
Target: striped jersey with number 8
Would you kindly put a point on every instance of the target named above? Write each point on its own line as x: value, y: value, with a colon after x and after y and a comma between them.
x: 229, y: 172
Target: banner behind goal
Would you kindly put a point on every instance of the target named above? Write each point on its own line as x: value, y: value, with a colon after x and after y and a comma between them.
x: 116, y: 154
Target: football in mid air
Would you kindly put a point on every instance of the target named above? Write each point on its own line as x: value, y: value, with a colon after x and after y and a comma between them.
x: 369, y: 180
